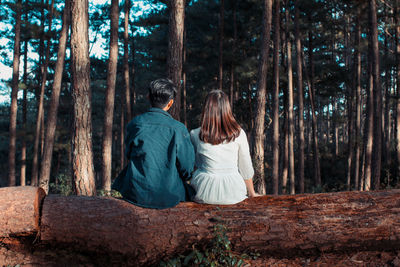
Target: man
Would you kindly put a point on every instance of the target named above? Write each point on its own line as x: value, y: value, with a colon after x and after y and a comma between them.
x: 160, y: 154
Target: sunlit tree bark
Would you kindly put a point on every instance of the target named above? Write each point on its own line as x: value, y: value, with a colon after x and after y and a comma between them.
x: 369, y: 127
x: 82, y: 155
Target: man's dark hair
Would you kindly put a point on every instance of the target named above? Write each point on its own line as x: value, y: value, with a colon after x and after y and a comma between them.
x: 161, y: 91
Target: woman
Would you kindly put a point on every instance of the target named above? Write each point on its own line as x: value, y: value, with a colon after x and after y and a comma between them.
x: 224, y: 169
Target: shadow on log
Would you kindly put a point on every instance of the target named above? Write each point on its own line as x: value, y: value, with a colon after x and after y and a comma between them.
x: 306, y: 224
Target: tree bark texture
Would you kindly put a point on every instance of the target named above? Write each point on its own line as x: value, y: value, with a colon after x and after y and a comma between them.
x: 386, y: 102
x: 82, y: 155
x: 259, y: 120
x: 377, y: 145
x: 110, y: 98
x: 275, y: 101
x: 127, y: 94
x: 397, y: 35
x: 350, y: 133
x: 358, y: 103
x: 290, y: 101
x: 45, y: 168
x: 369, y: 129
x: 310, y: 224
x: 300, y: 92
x: 40, y: 112
x: 14, y: 93
x: 175, y: 50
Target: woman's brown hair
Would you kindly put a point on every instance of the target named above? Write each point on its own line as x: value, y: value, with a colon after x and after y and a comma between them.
x: 217, y: 122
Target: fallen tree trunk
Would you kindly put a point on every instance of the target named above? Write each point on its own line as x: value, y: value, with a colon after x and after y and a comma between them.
x: 285, y: 225
x: 281, y: 226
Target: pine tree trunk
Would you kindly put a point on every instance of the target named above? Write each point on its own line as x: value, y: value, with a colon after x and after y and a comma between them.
x: 369, y: 127
x: 300, y: 93
x: 317, y: 170
x: 127, y: 104
x: 386, y: 103
x: 175, y: 50
x: 259, y: 120
x: 290, y: 101
x: 82, y: 155
x: 110, y: 98
x: 377, y: 145
x: 358, y: 103
x: 41, y: 43
x: 350, y: 134
x: 397, y: 35
x: 14, y: 95
x: 221, y: 44
x: 40, y: 112
x: 285, y: 147
x: 275, y: 101
x: 24, y: 114
x: 54, y: 102
x: 335, y: 126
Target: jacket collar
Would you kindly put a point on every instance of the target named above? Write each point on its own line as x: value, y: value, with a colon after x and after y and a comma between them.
x: 159, y: 110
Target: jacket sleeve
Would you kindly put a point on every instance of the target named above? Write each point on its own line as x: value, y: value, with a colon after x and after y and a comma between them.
x: 185, y: 154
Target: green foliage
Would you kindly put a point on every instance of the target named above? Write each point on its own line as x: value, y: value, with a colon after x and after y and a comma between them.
x: 104, y: 193
x: 216, y: 253
x: 62, y: 185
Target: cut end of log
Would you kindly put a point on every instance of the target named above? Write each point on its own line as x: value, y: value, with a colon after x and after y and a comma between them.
x: 20, y: 211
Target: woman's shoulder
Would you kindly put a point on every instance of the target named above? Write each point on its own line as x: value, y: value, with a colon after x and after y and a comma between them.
x: 242, y: 135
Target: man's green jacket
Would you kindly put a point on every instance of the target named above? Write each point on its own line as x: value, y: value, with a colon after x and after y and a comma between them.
x: 160, y: 158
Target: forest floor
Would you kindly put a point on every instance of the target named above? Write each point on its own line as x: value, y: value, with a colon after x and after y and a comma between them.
x: 63, y: 257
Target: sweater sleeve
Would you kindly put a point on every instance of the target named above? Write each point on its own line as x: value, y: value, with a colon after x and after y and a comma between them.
x: 244, y: 160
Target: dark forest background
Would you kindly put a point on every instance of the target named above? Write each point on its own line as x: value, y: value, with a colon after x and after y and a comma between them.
x: 330, y: 71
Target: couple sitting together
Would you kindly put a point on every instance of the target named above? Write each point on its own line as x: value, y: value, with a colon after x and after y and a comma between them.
x: 162, y: 155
